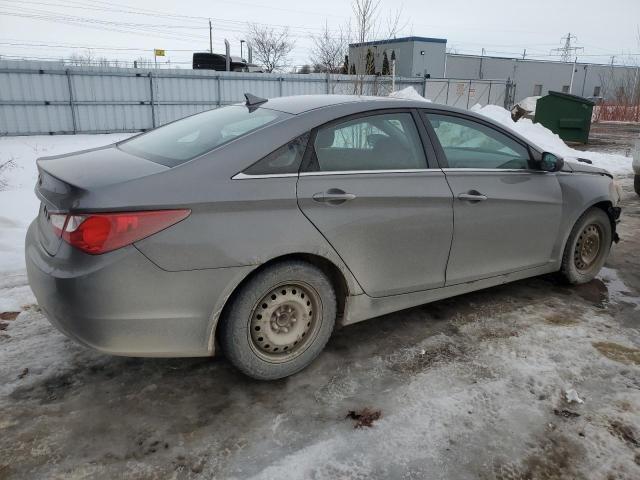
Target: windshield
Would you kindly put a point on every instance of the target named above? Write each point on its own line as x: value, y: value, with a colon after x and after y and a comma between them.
x: 180, y: 141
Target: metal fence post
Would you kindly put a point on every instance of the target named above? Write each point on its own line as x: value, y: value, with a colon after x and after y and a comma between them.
x: 446, y: 101
x: 281, y: 79
x: 153, y: 109
x: 328, y: 88
x: 489, y: 96
x: 424, y: 88
x: 73, y: 112
x: 219, y: 91
x: 468, y: 94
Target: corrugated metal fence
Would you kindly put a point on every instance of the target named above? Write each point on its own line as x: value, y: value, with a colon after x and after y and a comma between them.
x: 50, y: 98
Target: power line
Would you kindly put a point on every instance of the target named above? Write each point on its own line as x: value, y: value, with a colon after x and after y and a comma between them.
x: 567, y: 51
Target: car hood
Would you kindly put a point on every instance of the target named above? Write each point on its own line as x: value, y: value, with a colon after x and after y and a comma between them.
x: 98, y: 167
x: 573, y: 165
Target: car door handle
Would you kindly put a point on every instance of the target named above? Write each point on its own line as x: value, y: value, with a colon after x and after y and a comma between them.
x: 333, y: 196
x: 472, y: 196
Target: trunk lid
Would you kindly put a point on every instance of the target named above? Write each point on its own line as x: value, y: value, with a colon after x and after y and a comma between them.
x: 98, y: 167
x: 64, y: 179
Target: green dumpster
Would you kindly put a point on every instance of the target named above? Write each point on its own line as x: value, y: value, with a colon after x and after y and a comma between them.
x: 567, y: 115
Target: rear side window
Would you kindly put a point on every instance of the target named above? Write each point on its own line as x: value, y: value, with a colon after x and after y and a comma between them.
x: 285, y: 159
x: 374, y: 142
x: 469, y: 144
x: 180, y: 141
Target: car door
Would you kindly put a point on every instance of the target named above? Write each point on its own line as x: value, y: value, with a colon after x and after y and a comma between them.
x: 507, y: 213
x: 367, y: 187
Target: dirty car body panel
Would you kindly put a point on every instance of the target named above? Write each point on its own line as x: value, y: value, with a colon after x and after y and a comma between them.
x: 393, y: 237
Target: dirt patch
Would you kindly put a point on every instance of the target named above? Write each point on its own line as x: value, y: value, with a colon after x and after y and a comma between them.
x: 52, y: 389
x: 364, y: 417
x: 564, y: 413
x: 3, y: 325
x: 595, y: 291
x: 24, y: 373
x: 415, y: 361
x: 555, y: 458
x: 624, y: 432
x: 9, y: 315
x: 560, y: 319
x: 618, y: 353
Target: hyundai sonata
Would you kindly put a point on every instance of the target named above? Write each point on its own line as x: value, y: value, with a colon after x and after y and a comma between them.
x: 258, y: 227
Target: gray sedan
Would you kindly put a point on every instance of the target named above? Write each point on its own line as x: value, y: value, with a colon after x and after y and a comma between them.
x: 257, y: 228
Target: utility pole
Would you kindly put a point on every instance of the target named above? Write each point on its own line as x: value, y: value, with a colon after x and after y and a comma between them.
x: 210, y: 38
x: 524, y: 54
x: 567, y: 51
x: 480, y: 69
x: 573, y: 72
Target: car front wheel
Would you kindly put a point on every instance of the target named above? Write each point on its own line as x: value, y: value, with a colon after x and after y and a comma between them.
x: 588, y: 247
x: 279, y: 321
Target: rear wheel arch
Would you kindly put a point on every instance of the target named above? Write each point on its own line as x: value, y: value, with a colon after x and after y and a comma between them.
x: 329, y: 268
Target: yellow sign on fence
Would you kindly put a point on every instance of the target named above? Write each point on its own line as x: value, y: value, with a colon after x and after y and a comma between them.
x: 158, y: 52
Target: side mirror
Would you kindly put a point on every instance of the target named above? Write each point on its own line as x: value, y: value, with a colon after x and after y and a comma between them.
x: 550, y: 162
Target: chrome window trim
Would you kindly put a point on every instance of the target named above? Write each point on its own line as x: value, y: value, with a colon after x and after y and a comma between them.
x: 369, y: 172
x: 244, y: 176
x: 493, y: 170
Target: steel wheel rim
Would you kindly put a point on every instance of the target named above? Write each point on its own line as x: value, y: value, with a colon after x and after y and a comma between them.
x: 588, y: 247
x: 285, y: 321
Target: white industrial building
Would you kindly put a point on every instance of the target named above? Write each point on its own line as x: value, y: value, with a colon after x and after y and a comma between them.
x: 427, y: 57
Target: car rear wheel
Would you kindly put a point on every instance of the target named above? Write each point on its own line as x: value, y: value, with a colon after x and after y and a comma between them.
x: 279, y: 321
x: 588, y: 247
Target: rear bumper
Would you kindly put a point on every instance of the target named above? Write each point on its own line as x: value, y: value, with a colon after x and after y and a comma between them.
x: 122, y: 304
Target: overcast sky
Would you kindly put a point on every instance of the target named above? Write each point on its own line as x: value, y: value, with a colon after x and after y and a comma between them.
x: 502, y: 27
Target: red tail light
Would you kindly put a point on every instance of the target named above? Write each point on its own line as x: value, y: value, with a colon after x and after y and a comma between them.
x: 97, y: 233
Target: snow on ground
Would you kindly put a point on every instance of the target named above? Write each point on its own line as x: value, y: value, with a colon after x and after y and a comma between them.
x: 18, y: 174
x: 549, y: 141
x: 471, y: 387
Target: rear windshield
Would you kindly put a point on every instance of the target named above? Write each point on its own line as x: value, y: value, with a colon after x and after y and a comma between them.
x: 180, y: 141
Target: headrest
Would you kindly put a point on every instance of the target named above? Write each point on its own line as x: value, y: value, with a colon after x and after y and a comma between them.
x: 325, y: 138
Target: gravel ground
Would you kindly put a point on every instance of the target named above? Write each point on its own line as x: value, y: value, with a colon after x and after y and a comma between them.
x: 471, y: 387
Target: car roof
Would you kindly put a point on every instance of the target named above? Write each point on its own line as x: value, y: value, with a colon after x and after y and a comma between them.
x: 300, y: 104
x: 303, y: 103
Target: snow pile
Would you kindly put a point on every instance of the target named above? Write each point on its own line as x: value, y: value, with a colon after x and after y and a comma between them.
x: 550, y: 142
x: 408, y: 93
x: 529, y: 104
x: 18, y: 174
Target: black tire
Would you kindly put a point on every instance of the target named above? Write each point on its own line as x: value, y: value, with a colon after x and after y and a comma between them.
x: 636, y: 184
x: 252, y: 354
x: 593, y: 222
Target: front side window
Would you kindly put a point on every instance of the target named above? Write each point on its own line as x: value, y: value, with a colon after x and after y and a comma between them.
x: 180, y: 141
x: 469, y: 144
x: 376, y: 142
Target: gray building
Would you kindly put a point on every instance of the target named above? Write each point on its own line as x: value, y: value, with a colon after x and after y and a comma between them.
x: 538, y: 77
x: 421, y: 56
x: 415, y: 56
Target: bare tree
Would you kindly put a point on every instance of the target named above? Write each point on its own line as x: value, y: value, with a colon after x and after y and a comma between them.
x: 271, y: 48
x: 365, y: 13
x: 329, y: 50
x: 395, y: 23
